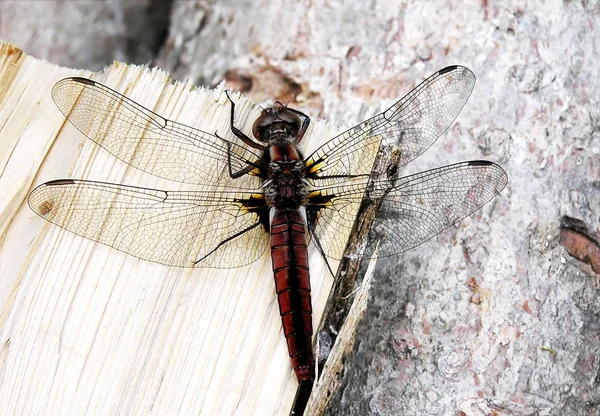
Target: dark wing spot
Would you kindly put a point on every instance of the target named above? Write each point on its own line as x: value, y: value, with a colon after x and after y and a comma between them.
x: 45, y: 208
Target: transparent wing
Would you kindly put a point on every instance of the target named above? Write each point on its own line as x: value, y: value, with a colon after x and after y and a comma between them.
x: 148, y: 141
x: 413, y: 209
x: 173, y: 228
x: 411, y: 125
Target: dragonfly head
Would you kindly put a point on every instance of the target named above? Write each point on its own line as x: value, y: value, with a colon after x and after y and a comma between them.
x: 275, y: 121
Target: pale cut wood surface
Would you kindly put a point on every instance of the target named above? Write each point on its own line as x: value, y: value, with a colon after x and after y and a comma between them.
x: 86, y: 329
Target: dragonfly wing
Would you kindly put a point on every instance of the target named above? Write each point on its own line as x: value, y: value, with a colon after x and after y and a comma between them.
x: 148, y: 141
x: 411, y: 125
x: 413, y: 209
x: 179, y: 228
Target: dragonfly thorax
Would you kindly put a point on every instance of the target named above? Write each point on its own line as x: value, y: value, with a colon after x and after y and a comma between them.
x: 286, y: 187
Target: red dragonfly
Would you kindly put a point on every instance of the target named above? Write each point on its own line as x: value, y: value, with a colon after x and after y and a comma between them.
x: 263, y: 190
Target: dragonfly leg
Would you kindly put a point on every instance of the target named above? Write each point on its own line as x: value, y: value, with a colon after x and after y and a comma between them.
x: 303, y: 127
x: 338, y: 176
x: 237, y: 132
x: 320, y: 248
x: 311, y: 217
x: 244, y: 171
x: 228, y: 239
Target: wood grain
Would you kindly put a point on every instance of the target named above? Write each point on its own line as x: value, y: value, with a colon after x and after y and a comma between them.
x: 89, y: 330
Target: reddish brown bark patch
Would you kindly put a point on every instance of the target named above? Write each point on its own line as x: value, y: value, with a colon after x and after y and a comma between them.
x: 579, y: 243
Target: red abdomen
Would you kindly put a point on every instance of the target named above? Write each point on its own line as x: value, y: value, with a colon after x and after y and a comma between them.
x: 292, y: 282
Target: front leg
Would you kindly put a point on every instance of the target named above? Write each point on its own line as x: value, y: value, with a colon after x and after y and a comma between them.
x: 305, y: 123
x: 237, y: 132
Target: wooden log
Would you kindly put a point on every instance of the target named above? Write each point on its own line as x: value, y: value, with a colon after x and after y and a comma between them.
x: 89, y: 329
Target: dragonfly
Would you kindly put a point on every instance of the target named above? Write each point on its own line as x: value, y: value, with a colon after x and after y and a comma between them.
x: 262, y: 190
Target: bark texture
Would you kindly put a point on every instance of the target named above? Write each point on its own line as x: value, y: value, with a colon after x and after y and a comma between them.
x: 86, y: 34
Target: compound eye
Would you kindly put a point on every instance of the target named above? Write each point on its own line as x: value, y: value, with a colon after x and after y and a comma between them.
x: 290, y: 118
x: 261, y: 123
x: 275, y: 115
